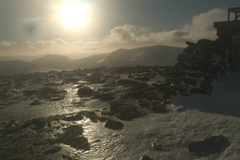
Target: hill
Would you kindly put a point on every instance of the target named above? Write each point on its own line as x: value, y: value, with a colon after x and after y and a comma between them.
x: 148, y: 56
x: 17, y: 67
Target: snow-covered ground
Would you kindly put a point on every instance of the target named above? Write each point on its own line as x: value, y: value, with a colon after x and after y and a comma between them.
x: 190, y: 118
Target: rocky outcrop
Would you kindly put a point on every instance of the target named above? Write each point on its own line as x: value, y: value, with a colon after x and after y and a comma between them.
x: 198, y: 65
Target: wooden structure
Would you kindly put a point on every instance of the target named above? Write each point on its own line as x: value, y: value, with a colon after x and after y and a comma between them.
x: 230, y: 29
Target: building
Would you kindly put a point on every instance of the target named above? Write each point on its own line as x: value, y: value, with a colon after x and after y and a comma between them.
x: 230, y: 30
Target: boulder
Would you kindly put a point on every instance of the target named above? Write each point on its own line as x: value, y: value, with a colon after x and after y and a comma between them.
x: 73, y: 137
x: 206, y: 147
x: 85, y: 92
x: 206, y: 44
x: 158, y: 107
x: 114, y: 125
x: 74, y: 118
x: 52, y: 150
x: 145, y: 158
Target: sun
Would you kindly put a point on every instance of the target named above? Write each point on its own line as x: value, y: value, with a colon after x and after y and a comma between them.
x: 73, y: 15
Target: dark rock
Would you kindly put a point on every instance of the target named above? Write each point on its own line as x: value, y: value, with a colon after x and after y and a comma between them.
x: 73, y: 137
x: 52, y: 94
x: 74, y: 118
x: 146, y: 158
x: 158, y: 107
x: 190, y: 44
x: 127, y: 82
x: 90, y: 114
x: 156, y: 146
x: 195, y: 75
x: 11, y: 127
x: 206, y: 44
x: 46, y: 92
x: 53, y: 149
x: 179, y: 89
x: 38, y: 123
x: 134, y: 94
x: 85, y: 92
x: 128, y: 112
x: 115, y: 125
x: 206, y: 147
x: 189, y: 81
x: 35, y: 102
x: 95, y: 77
x: 108, y: 113
x: 105, y: 97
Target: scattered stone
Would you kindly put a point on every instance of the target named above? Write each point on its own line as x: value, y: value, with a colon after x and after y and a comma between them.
x: 90, y: 114
x: 85, y: 92
x: 156, y: 146
x: 128, y: 112
x: 158, y: 107
x: 53, y: 149
x: 35, y: 102
x: 11, y: 127
x: 127, y: 82
x: 146, y: 158
x: 115, y: 125
x: 73, y: 137
x: 206, y: 147
x: 77, y: 117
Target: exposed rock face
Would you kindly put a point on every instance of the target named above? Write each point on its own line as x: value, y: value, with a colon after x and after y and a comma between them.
x: 206, y: 147
x: 198, y: 65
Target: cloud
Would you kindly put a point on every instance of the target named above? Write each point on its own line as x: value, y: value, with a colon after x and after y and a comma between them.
x: 200, y: 27
x: 125, y: 36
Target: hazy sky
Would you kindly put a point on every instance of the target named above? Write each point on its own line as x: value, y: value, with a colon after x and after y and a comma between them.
x: 36, y: 26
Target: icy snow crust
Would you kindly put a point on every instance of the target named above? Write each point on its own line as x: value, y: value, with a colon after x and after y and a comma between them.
x: 190, y: 118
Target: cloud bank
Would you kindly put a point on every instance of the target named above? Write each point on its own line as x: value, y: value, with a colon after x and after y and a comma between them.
x: 125, y: 36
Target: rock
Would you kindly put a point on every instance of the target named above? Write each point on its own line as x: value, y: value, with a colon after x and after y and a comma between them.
x: 128, y: 112
x: 74, y: 118
x: 85, y: 92
x: 53, y: 149
x: 73, y: 137
x: 95, y: 77
x: 115, y: 125
x: 145, y: 158
x: 156, y: 146
x: 35, y: 102
x: 158, y: 107
x: 90, y: 114
x: 189, y: 81
x: 205, y: 44
x: 206, y: 147
x: 127, y: 82
x: 52, y: 94
x: 105, y: 97
x: 38, y: 123
x: 11, y: 127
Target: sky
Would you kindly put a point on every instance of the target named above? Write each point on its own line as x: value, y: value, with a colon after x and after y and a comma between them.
x: 33, y: 27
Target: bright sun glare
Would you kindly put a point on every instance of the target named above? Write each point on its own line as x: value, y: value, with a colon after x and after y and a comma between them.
x: 73, y: 15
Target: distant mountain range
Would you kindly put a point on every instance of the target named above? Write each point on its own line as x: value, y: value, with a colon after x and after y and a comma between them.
x: 17, y: 67
x: 149, y: 56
